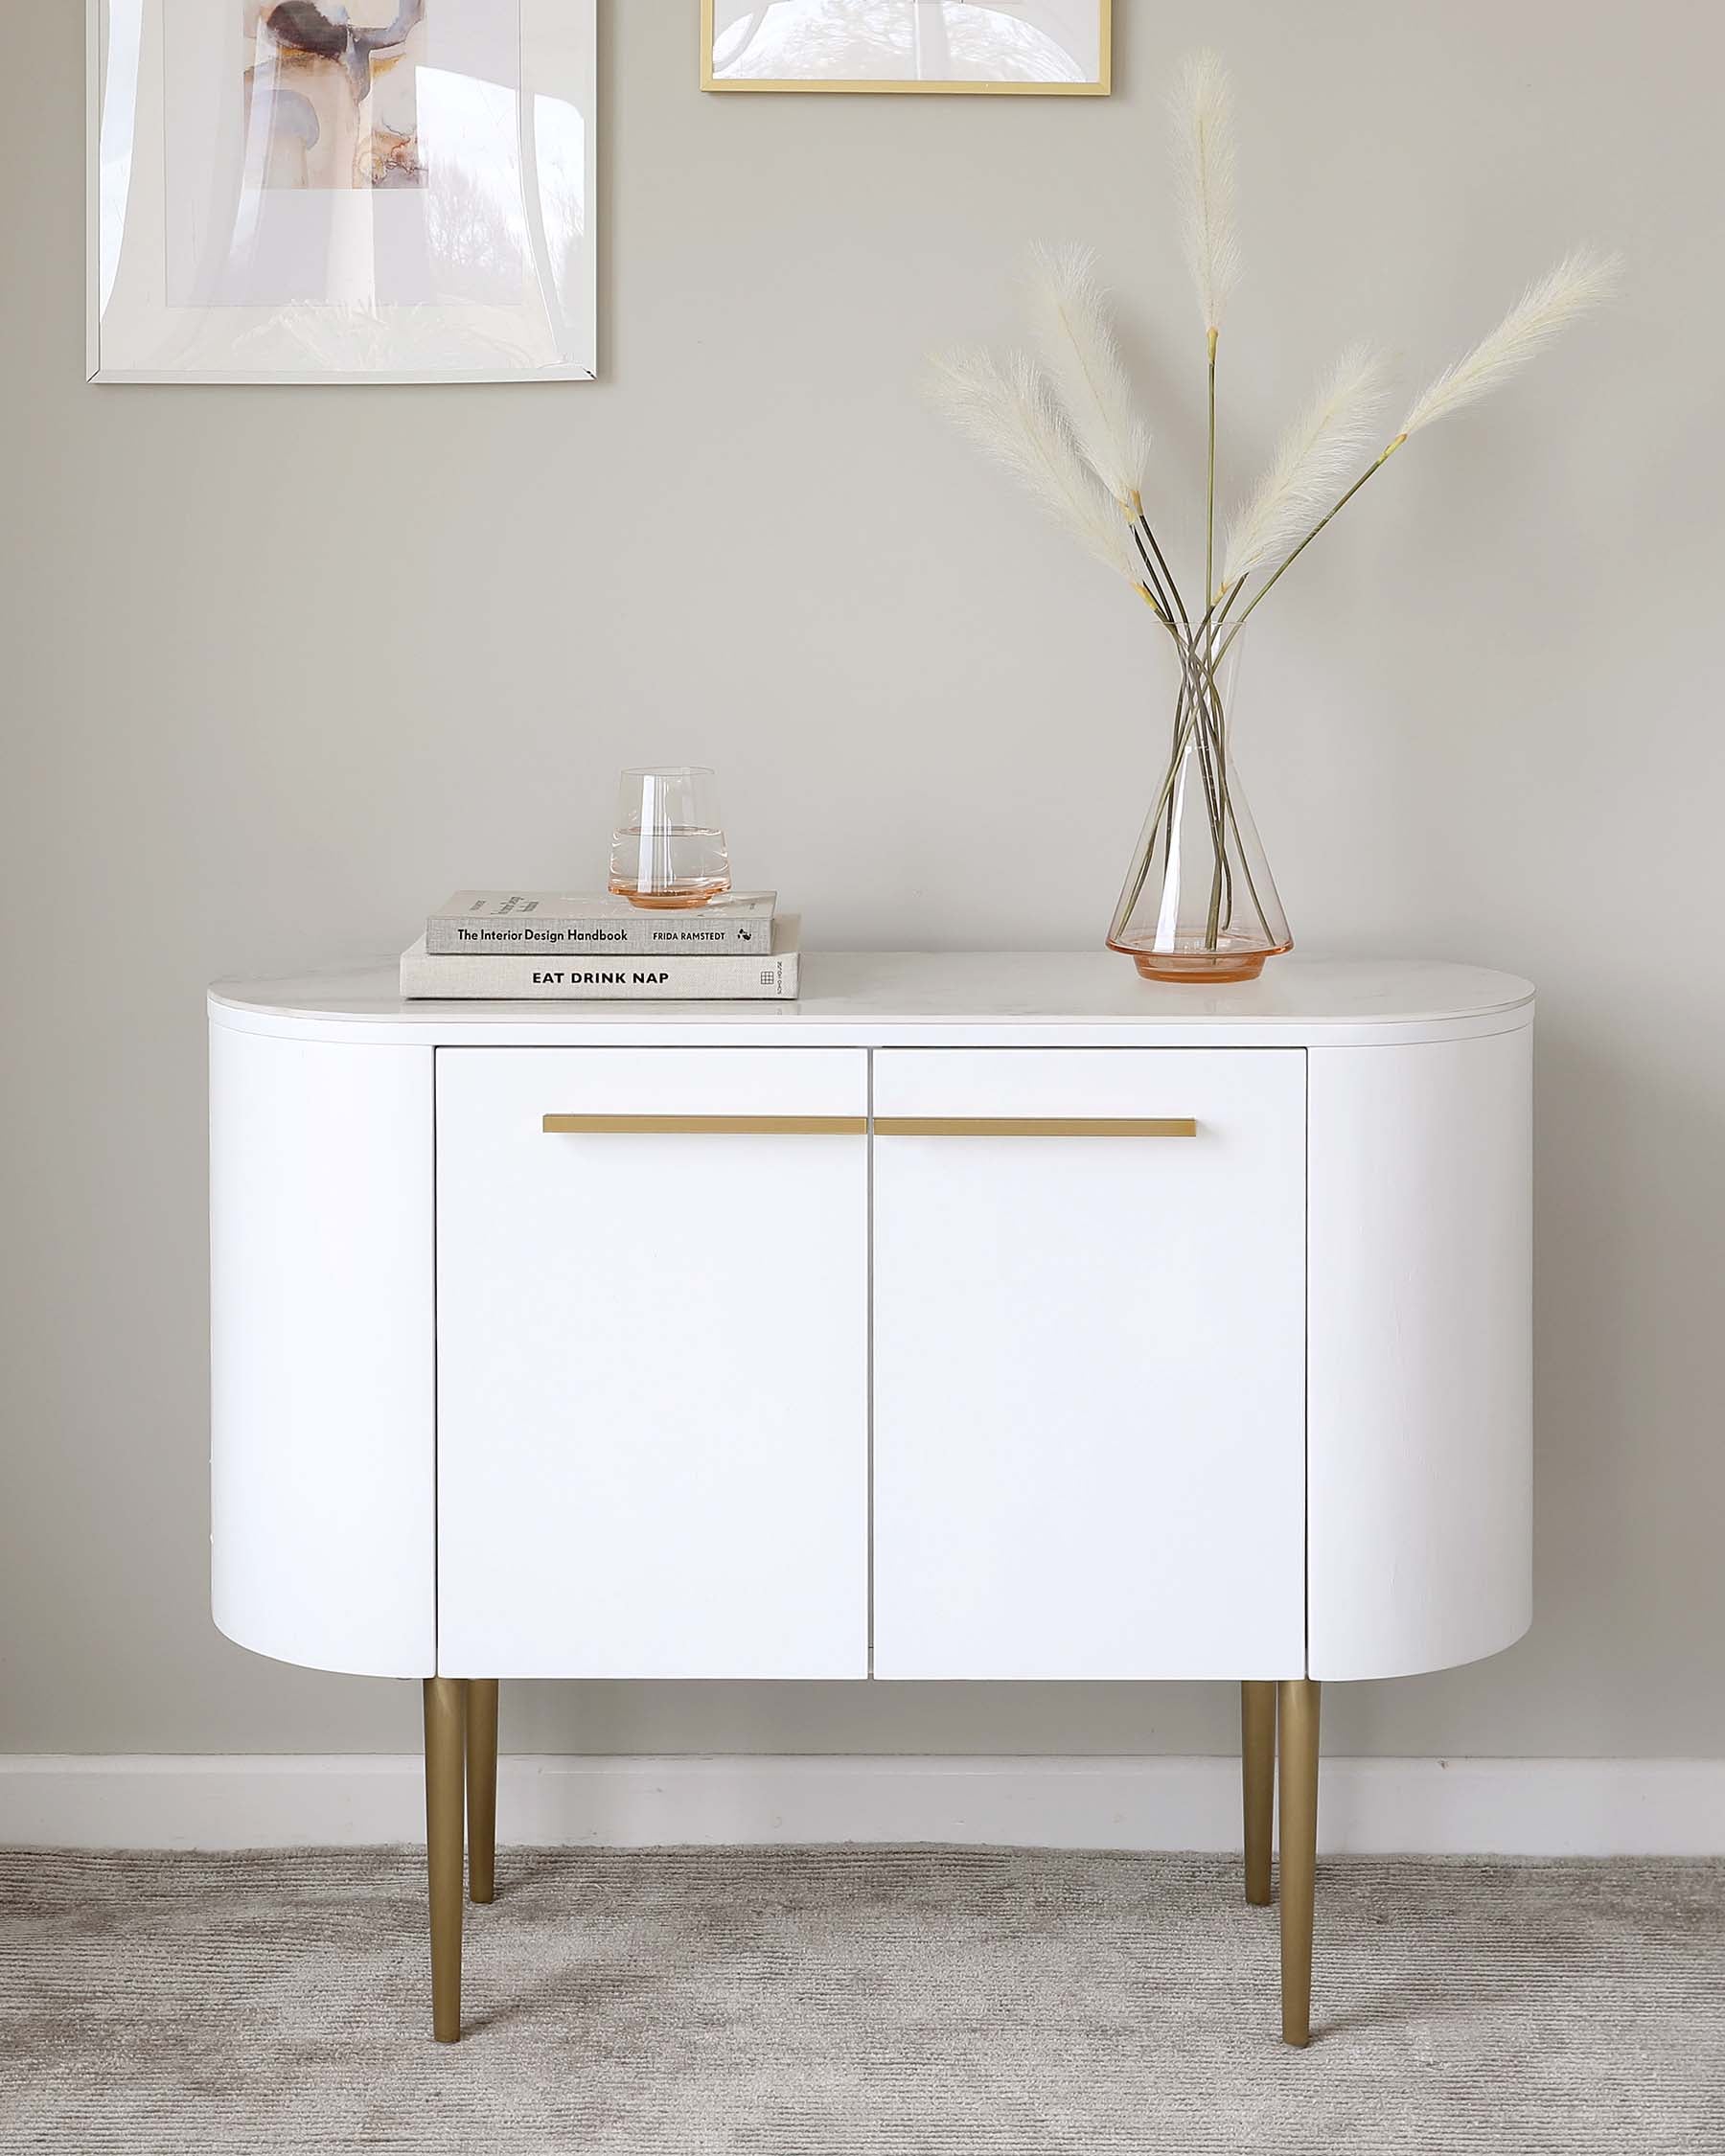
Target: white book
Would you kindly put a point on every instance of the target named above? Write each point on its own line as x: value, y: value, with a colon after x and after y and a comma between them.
x: 551, y: 979
x: 601, y: 921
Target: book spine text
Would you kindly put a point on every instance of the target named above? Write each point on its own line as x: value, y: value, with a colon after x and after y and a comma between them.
x: 645, y: 980
x: 447, y: 937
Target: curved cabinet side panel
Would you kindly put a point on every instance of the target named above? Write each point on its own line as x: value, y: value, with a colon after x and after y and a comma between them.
x: 1419, y: 1425
x: 322, y: 1455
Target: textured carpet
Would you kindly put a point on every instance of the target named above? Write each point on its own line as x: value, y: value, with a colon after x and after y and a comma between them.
x: 799, y: 2002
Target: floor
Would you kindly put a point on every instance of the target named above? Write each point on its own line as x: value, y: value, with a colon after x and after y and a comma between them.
x: 803, y: 2003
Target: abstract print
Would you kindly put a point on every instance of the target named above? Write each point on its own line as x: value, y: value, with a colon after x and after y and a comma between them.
x: 330, y: 93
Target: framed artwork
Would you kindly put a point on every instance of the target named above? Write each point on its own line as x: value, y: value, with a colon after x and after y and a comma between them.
x: 302, y: 190
x: 1046, y: 48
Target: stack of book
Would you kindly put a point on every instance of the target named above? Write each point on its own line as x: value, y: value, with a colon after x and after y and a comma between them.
x: 550, y: 946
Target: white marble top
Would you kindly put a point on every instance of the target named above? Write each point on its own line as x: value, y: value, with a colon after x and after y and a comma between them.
x: 917, y: 998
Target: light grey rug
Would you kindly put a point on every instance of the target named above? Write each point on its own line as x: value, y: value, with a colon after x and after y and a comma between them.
x: 799, y: 2002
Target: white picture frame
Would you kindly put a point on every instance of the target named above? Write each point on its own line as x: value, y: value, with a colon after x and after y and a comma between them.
x: 243, y: 228
x: 999, y: 48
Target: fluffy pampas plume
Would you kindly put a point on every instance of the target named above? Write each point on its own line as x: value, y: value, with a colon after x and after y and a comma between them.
x: 1009, y: 411
x: 1581, y: 280
x: 1080, y: 351
x: 1202, y: 108
x: 1315, y: 460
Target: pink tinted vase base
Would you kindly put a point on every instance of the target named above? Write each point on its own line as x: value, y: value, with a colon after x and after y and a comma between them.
x: 1201, y: 967
x: 674, y: 900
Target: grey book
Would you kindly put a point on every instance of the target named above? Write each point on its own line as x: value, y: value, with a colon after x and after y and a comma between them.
x: 610, y: 977
x: 520, y: 923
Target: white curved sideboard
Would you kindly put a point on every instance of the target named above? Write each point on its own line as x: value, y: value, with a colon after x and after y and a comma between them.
x: 982, y: 1315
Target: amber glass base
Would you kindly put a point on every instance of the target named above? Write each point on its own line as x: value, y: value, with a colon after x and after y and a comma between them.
x: 1199, y: 967
x: 678, y: 899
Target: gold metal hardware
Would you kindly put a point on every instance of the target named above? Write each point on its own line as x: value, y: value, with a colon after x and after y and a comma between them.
x: 1257, y: 1785
x: 1297, y: 1709
x: 710, y: 1126
x: 446, y: 1715
x: 886, y: 1126
x: 1036, y: 1126
x: 482, y: 1788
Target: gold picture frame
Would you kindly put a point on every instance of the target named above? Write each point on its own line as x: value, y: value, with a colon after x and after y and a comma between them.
x: 852, y: 86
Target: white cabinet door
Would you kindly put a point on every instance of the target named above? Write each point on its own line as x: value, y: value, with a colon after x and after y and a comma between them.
x: 1090, y: 1363
x: 651, y: 1363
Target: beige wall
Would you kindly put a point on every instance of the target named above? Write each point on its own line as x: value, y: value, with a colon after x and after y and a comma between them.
x: 289, y: 664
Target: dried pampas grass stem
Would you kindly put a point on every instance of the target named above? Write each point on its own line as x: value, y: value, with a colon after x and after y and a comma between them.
x: 1580, y: 281
x: 1316, y: 455
x: 1009, y: 412
x: 1204, y: 149
x: 1073, y: 436
x: 1202, y: 108
x: 1083, y: 358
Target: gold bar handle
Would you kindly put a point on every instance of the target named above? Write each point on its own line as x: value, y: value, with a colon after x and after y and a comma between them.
x: 709, y: 1126
x: 1036, y: 1126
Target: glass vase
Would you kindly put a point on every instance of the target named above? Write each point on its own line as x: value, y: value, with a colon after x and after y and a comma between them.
x: 1199, y: 902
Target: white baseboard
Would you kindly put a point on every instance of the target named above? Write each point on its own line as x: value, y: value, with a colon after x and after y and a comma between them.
x: 1524, y: 1807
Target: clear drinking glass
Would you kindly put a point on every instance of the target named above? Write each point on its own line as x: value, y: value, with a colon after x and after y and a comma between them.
x: 668, y: 845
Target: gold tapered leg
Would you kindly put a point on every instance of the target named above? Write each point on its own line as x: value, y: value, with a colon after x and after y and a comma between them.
x: 482, y: 1787
x: 1298, y: 1710
x: 1257, y: 1785
x: 445, y: 1703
